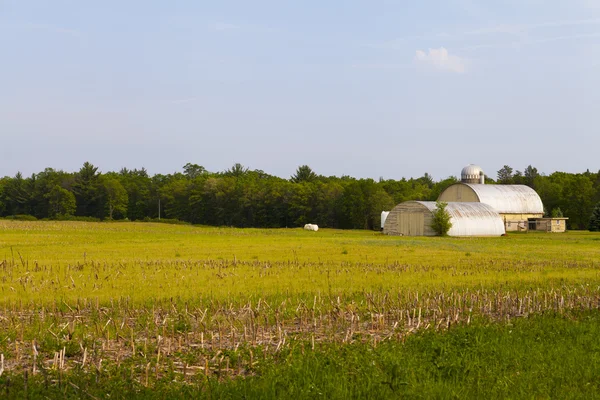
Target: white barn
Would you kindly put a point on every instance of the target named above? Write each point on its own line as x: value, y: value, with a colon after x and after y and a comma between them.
x: 413, y: 218
x: 516, y: 204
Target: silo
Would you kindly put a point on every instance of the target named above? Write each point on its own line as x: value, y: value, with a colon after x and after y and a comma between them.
x: 472, y: 174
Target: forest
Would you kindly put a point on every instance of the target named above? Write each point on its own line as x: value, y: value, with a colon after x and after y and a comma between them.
x: 242, y: 197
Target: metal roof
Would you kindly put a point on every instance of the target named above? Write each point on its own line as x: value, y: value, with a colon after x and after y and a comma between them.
x: 509, y: 199
x: 471, y: 219
x: 471, y: 171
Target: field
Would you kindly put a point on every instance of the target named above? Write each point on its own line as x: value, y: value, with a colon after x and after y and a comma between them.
x: 155, y: 310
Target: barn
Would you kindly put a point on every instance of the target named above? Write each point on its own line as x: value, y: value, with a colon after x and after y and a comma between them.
x: 413, y: 218
x: 516, y: 204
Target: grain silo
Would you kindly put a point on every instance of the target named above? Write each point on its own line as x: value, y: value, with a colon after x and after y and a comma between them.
x: 413, y: 218
x: 472, y: 174
x: 516, y: 204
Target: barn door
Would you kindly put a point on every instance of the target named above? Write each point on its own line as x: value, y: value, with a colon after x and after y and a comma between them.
x: 411, y: 224
x: 419, y: 223
x: 403, y: 224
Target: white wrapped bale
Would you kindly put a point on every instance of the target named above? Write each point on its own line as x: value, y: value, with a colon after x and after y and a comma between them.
x: 384, y: 215
x: 311, y: 227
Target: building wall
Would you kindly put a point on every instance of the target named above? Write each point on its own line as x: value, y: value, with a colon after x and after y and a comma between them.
x: 461, y: 193
x: 518, y: 222
x: 409, y: 219
x: 559, y: 225
x: 556, y: 225
x: 413, y: 218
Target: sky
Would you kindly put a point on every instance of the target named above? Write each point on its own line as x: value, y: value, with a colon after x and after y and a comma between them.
x: 366, y: 88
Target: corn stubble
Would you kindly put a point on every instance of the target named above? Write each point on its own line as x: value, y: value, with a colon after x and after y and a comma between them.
x: 198, y: 314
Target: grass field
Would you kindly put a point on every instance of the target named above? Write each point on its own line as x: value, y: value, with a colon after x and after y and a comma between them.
x: 152, y: 310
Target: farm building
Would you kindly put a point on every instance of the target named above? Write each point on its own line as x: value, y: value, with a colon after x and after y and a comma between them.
x: 548, y: 224
x: 413, y: 218
x: 516, y: 204
x: 476, y: 209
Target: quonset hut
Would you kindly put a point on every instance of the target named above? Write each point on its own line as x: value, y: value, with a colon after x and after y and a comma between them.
x: 476, y: 209
x: 516, y: 204
x: 413, y: 218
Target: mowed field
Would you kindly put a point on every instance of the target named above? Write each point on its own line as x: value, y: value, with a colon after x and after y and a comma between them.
x: 156, y: 310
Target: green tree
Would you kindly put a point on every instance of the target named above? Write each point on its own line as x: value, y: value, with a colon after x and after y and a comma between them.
x: 43, y: 184
x: 354, y: 205
x: 193, y: 171
x: 204, y: 201
x: 61, y: 202
x: 239, y: 197
x: 518, y: 178
x: 88, y: 193
x: 3, y: 182
x: 378, y: 201
x: 578, y: 192
x: 116, y: 197
x: 302, y: 202
x: 142, y: 199
x: 17, y: 192
x: 505, y: 175
x: 550, y: 189
x: 237, y: 170
x: 594, y: 224
x: 303, y: 174
x: 175, y: 198
x: 440, y: 221
x: 557, y: 213
x: 329, y: 196
x: 426, y: 180
x: 530, y: 174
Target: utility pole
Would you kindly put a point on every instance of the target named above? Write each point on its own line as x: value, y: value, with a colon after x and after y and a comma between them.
x: 159, y: 208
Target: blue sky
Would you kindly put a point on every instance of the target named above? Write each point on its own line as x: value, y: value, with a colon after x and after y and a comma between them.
x: 363, y: 88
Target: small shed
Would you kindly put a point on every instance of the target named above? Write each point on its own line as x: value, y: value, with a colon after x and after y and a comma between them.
x: 556, y: 225
x: 413, y: 218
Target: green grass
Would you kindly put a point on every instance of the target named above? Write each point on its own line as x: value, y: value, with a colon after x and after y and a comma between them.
x: 547, y: 356
x: 73, y: 260
x: 551, y: 356
x: 157, y: 309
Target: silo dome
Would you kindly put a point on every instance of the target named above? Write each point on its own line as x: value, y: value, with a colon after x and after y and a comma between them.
x: 471, y: 174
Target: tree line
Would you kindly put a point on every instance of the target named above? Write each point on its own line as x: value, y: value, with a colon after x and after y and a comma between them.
x: 252, y: 198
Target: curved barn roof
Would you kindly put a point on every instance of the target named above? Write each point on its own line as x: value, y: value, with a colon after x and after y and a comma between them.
x: 508, y: 199
x: 471, y: 219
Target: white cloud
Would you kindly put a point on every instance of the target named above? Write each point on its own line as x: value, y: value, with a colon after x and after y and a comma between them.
x: 441, y: 59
